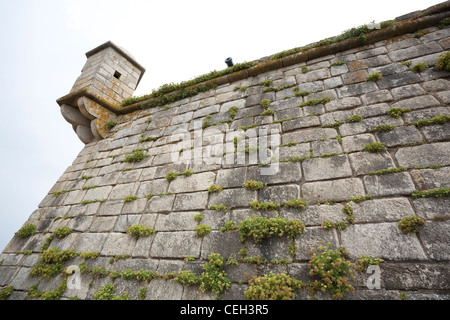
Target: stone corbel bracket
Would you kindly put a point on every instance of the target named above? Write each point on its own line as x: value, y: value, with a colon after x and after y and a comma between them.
x: 109, y: 76
x: 88, y: 114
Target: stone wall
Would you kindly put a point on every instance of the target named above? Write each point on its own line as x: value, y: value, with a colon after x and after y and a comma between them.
x: 320, y: 156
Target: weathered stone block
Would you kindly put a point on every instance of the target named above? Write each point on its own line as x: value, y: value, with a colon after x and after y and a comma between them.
x: 314, y: 215
x: 334, y: 190
x: 325, y: 147
x: 191, y: 201
x: 300, y: 123
x: 429, y: 208
x: 424, y: 155
x: 399, y: 79
x: 309, y: 135
x: 299, y: 150
x: 176, y: 245
x: 122, y: 190
x: 161, y: 203
x: 313, y: 237
x: 431, y: 178
x: 389, y: 184
x: 407, y: 91
x: 286, y: 172
x: 415, y: 115
x: 419, y: 102
x: 326, y: 168
x: 436, y: 239
x: 124, y: 221
x: 196, y: 182
x: 356, y: 89
x: 279, y: 194
x: 89, y: 242
x: 103, y: 224
x: 381, y: 240
x: 118, y: 244
x: 343, y: 104
x: 176, y: 221
x: 382, y: 210
x: 414, y: 51
x: 224, y: 243
x: 400, y: 136
x: 160, y: 289
x: 415, y: 276
x: 233, y: 197
x: 357, y: 142
x: 364, y: 162
x: 377, y: 97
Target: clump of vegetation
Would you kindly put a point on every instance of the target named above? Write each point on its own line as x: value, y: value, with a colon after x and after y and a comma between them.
x: 140, y: 230
x: 259, y: 228
x: 443, y: 62
x: 305, y: 69
x: 419, y: 67
x: 57, y: 193
x: 298, y: 204
x: 172, y: 175
x: 355, y: 118
x: 179, y: 90
x: 333, y: 125
x: 135, y: 156
x: 275, y: 89
x: 411, y: 224
x: 6, y: 292
x: 198, y: 217
x: 432, y: 193
x: 215, y: 188
x: 333, y: 270
x: 397, y: 112
x: 202, y: 230
x: 219, y: 207
x: 273, y: 287
x: 267, y: 112
x: 232, y: 112
x: 130, y: 198
x: 315, y: 102
x: 51, y: 262
x: 265, y: 103
x: 443, y: 23
x: 228, y: 227
x: 266, y: 83
x: 382, y: 128
x: 338, y: 63
x: 27, y: 230
x: 375, y: 147
x: 386, y: 171
x: 254, y: 185
x: 187, y: 173
x: 270, y: 206
x: 89, y: 255
x: 111, y: 124
x: 85, y: 202
x: 151, y: 138
x: 365, y: 261
x: 214, y: 278
x: 374, y: 77
x: 62, y: 232
x: 107, y: 292
x: 441, y: 119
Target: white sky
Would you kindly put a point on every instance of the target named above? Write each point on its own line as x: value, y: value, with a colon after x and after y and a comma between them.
x: 42, y: 52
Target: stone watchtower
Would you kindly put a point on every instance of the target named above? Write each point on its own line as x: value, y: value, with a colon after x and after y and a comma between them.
x: 109, y: 76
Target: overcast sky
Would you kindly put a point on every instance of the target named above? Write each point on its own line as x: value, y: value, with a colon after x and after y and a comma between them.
x: 43, y: 45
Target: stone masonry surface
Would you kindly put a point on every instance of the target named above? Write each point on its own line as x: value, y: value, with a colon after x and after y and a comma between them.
x: 322, y: 159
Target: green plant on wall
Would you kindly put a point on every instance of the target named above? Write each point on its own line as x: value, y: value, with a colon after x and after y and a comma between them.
x: 272, y: 287
x: 332, y: 269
